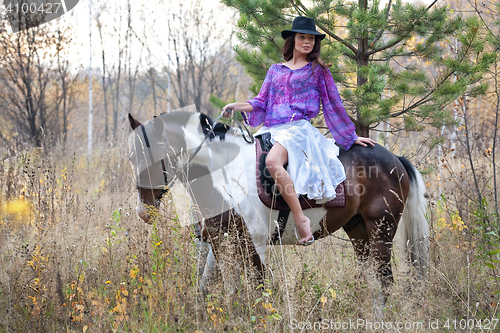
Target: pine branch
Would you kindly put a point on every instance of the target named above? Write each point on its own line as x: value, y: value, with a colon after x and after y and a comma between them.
x: 262, y: 26
x: 303, y: 10
x: 485, y: 24
x: 400, y: 38
x: 427, y: 98
x: 382, y: 29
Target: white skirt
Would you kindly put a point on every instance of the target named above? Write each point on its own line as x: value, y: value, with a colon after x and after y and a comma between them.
x: 313, y: 162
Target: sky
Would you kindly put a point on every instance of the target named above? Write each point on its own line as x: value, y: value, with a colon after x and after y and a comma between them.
x: 79, y: 17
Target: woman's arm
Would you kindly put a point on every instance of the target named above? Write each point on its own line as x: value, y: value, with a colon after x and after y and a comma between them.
x: 337, y: 120
x: 257, y: 106
x: 239, y: 106
x: 340, y: 125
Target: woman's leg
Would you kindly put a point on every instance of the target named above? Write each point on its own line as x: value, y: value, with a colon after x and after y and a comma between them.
x: 276, y: 159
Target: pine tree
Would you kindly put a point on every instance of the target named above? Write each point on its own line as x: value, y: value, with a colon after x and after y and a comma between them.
x: 389, y: 62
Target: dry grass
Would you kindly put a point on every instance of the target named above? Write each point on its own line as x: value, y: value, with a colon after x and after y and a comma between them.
x: 75, y: 258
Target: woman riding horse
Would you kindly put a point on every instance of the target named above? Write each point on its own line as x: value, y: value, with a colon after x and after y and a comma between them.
x: 384, y: 193
x: 288, y: 99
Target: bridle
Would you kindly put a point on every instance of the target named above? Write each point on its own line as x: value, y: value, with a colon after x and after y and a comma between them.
x: 164, y: 169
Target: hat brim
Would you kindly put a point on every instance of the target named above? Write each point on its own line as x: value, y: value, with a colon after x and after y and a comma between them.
x: 286, y: 33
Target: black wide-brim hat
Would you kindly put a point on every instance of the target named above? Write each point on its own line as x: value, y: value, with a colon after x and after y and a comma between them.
x: 303, y: 25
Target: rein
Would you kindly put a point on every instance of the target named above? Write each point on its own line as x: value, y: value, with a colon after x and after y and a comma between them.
x: 203, y: 142
x: 241, y: 126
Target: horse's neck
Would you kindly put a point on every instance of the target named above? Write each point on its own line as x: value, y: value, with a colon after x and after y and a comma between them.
x: 217, y: 172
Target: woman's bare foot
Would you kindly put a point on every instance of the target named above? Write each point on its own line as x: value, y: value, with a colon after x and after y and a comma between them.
x: 304, y: 229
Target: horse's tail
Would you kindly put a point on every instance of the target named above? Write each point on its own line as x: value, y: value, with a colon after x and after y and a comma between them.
x: 412, y: 236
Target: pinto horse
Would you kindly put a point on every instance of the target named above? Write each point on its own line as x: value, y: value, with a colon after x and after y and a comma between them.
x: 384, y: 193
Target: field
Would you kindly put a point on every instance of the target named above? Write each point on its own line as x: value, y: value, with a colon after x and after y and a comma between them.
x: 76, y: 258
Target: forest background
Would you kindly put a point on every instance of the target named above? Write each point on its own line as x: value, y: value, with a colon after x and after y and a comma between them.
x: 76, y: 257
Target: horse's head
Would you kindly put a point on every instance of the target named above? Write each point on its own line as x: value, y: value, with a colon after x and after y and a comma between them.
x: 157, y: 149
x: 151, y: 163
x: 183, y: 146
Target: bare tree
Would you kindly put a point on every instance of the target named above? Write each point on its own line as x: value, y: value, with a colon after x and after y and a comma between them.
x: 116, y: 80
x: 196, y: 49
x: 27, y: 75
x: 65, y: 79
x: 104, y: 79
x: 132, y: 69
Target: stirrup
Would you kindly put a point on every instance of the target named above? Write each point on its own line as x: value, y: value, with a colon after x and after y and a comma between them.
x: 305, y: 243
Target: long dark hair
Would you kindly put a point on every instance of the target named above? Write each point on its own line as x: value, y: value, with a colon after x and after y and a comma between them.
x: 312, y: 57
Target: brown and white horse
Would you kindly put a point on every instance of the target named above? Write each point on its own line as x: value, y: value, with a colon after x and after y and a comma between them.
x: 384, y: 192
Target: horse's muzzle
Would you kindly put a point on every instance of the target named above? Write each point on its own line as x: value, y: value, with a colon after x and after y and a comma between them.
x: 147, y: 213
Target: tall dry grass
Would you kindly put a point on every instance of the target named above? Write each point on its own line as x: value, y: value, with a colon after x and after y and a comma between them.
x: 75, y: 258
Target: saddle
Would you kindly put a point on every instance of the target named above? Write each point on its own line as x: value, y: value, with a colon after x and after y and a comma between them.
x: 265, y: 183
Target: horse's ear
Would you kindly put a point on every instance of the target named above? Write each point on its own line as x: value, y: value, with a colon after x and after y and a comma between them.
x: 134, y: 123
x: 158, y: 127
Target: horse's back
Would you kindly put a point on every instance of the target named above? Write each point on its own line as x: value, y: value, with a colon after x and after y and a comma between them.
x: 375, y: 179
x: 372, y: 162
x: 370, y: 156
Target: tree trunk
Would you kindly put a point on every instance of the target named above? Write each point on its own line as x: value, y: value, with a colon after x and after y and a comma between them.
x: 362, y: 60
x: 104, y: 84
x: 91, y: 111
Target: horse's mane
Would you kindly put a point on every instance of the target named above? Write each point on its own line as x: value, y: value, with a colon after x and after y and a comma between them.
x: 220, y: 130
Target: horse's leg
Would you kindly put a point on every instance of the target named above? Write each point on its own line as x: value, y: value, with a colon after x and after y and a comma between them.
x: 248, y: 249
x: 222, y: 261
x: 213, y: 230
x: 358, y: 235
x: 381, y: 233
x: 231, y: 227
x: 202, y: 249
x: 208, y: 272
x: 258, y: 263
x: 371, y: 240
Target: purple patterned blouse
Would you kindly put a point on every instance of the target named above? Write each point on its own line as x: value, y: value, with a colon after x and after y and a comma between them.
x: 294, y: 94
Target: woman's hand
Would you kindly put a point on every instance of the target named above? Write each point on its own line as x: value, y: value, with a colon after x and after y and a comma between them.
x: 365, y: 141
x: 228, y: 110
x: 238, y: 106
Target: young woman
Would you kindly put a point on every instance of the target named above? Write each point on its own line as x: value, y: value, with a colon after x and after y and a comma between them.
x: 288, y: 99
